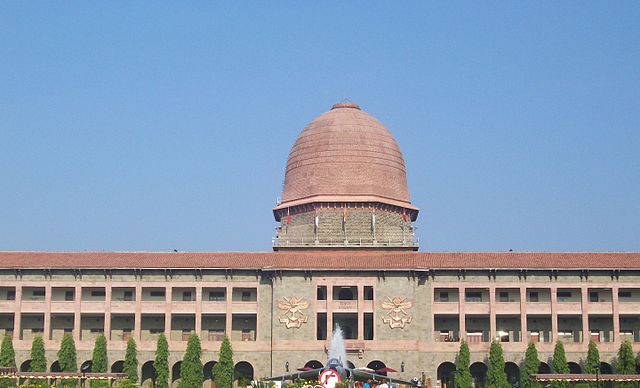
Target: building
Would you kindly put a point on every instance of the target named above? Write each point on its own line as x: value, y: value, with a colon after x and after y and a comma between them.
x: 344, y: 254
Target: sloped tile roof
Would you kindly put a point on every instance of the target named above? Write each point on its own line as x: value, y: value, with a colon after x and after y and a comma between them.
x: 332, y: 260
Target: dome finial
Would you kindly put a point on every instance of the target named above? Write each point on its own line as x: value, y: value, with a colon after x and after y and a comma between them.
x: 345, y: 103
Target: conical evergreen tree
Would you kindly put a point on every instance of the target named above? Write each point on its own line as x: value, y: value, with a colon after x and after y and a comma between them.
x: 626, y: 364
x: 560, y: 365
x: 38, y: 361
x: 531, y: 366
x: 223, y: 370
x: 161, y: 363
x: 191, y: 368
x: 463, y: 374
x: 593, y: 358
x: 131, y: 361
x: 496, y: 377
x: 99, y: 362
x: 7, y: 359
x: 67, y: 359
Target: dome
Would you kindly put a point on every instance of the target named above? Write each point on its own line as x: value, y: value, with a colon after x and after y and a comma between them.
x: 345, y: 155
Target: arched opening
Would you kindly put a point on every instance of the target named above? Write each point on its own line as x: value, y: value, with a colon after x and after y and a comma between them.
x: 574, y: 367
x: 606, y: 368
x: 148, y: 375
x: 243, y: 373
x: 175, y: 371
x: 445, y: 374
x: 55, y: 367
x: 544, y: 368
x: 479, y: 373
x: 86, y: 366
x: 513, y: 373
x: 207, y: 371
x: 351, y: 365
x: 376, y: 365
x: 25, y: 366
x: 117, y: 367
x: 313, y: 364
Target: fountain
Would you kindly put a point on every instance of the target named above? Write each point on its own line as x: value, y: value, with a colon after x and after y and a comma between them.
x: 337, y: 350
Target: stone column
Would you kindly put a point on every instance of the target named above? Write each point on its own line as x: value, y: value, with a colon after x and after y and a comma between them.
x: 137, y: 320
x: 616, y: 314
x: 168, y: 330
x: 554, y: 314
x: 47, y: 312
x: 492, y: 314
x: 77, y: 327
x: 198, y: 316
x: 108, y: 290
x: 586, y: 333
x: 17, y: 314
x: 461, y: 304
x: 229, y: 320
x: 524, y: 330
x: 360, y: 312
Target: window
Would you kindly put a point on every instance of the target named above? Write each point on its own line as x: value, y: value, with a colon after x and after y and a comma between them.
x: 11, y: 295
x: 321, y: 293
x: 38, y: 292
x: 156, y: 331
x: 97, y: 293
x: 128, y: 296
x: 473, y: 296
x: 368, y: 293
x: 216, y: 296
x: 624, y: 294
x: 41, y: 330
x: 95, y: 331
x: 504, y: 296
x: 246, y: 296
x: 533, y: 296
x: 157, y: 294
x: 345, y: 294
x: 593, y: 297
x: 564, y: 295
x: 68, y: 295
x: 444, y: 297
x: 186, y: 296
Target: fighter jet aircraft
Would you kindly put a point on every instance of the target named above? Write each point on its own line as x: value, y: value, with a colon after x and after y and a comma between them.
x: 336, y: 371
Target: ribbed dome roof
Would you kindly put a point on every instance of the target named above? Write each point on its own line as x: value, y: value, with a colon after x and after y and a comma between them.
x: 348, y: 155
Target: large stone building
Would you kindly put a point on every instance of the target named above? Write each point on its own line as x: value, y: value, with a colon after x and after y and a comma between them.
x: 344, y: 254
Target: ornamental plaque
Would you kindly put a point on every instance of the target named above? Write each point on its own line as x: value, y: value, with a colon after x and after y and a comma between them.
x: 397, y: 315
x: 293, y: 312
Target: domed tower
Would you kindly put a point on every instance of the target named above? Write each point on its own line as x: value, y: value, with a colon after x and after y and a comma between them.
x: 345, y: 187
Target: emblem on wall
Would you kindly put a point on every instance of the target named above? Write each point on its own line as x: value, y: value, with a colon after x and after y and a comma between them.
x: 397, y: 312
x: 294, y: 312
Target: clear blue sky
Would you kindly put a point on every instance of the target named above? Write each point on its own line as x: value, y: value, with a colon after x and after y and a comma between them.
x: 160, y: 126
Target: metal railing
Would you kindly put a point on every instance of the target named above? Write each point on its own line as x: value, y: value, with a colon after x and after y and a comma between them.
x: 285, y: 242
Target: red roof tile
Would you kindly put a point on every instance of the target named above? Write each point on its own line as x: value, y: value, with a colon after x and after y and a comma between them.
x: 334, y: 260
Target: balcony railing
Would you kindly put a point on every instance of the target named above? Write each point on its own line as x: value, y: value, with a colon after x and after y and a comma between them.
x: 540, y: 336
x: 570, y: 336
x: 301, y: 242
x: 447, y: 336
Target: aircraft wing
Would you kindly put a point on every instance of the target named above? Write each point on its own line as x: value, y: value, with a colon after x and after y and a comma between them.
x: 361, y: 375
x: 303, y: 375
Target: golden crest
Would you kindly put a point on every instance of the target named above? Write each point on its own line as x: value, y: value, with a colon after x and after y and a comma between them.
x: 397, y: 315
x: 294, y: 314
